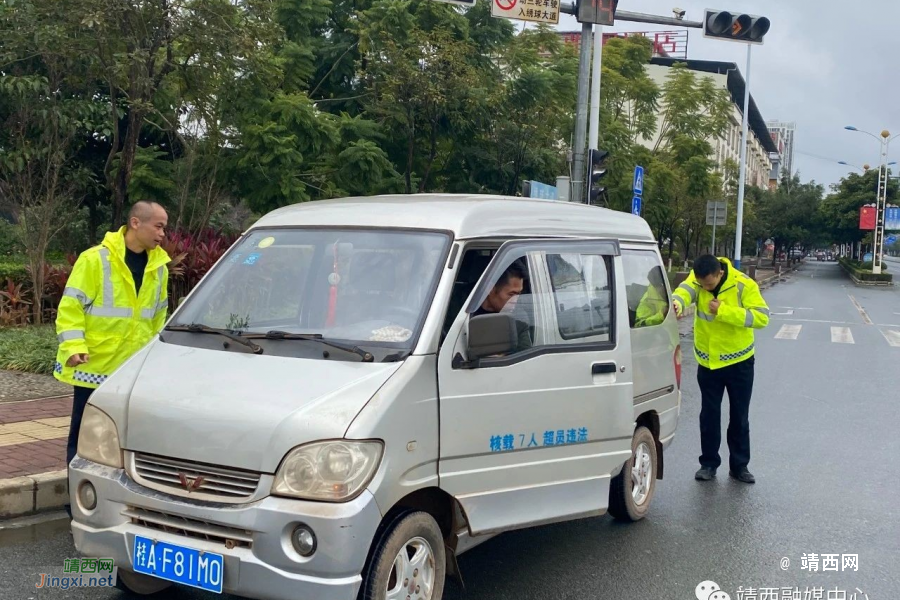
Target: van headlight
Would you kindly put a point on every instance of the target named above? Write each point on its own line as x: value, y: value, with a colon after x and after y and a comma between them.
x: 98, y: 439
x: 333, y: 471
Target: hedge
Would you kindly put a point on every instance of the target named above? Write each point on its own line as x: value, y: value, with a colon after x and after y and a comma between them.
x: 30, y: 349
x: 857, y: 270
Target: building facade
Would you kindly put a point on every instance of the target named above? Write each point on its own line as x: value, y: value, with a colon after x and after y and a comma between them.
x: 760, y: 146
x: 784, y: 134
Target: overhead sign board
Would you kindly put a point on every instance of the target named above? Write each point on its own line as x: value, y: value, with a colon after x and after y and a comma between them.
x: 536, y: 11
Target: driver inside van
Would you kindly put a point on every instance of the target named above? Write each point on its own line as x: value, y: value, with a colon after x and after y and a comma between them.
x: 504, y: 297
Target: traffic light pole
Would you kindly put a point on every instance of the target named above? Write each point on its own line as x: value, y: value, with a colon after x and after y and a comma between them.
x: 579, y: 153
x: 594, y: 135
x: 739, y: 226
x: 581, y: 116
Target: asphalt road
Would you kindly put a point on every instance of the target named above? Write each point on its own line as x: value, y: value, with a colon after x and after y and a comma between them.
x: 824, y: 421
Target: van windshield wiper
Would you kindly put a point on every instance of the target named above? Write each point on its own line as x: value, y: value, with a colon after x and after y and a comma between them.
x: 235, y: 337
x: 316, y: 337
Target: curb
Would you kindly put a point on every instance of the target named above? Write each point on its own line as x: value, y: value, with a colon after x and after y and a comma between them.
x: 861, y: 283
x: 20, y: 496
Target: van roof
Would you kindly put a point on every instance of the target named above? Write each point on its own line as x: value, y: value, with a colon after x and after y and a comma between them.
x: 467, y: 216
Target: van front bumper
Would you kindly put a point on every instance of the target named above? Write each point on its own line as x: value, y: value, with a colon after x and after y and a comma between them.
x: 265, y: 566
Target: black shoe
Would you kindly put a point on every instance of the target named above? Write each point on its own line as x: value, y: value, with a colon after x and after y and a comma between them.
x: 743, y: 475
x: 705, y: 474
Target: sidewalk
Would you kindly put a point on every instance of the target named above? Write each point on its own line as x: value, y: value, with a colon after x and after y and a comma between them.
x: 34, y: 426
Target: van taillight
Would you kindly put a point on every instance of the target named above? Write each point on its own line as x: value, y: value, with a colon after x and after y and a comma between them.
x: 677, y: 360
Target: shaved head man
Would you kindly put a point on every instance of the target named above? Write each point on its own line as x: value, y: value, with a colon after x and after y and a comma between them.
x: 115, y: 301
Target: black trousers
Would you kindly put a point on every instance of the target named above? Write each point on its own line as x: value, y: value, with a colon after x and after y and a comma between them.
x: 80, y: 400
x: 82, y: 395
x: 737, y: 379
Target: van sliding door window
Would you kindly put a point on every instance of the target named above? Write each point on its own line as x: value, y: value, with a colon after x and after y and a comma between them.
x: 582, y: 296
x: 645, y: 288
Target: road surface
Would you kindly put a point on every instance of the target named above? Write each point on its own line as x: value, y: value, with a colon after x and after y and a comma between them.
x: 825, y: 453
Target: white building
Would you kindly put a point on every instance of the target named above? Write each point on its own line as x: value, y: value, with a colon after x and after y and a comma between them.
x: 784, y: 133
x: 727, y: 147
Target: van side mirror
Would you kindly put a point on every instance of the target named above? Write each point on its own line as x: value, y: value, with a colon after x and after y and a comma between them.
x: 490, y: 335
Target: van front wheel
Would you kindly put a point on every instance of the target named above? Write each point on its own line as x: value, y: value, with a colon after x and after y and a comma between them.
x: 140, y: 584
x: 409, y: 562
x: 632, y: 490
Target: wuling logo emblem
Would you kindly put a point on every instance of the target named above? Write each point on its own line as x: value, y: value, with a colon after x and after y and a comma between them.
x: 191, y: 485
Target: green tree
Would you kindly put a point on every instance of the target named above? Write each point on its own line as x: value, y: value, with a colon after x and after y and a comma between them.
x: 791, y: 213
x: 840, y: 210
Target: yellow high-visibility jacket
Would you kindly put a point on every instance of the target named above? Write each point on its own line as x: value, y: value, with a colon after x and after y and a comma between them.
x: 100, y: 314
x: 652, y: 308
x: 726, y: 338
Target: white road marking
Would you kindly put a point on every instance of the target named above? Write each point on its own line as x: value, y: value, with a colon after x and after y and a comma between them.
x: 892, y: 337
x: 841, y: 335
x: 788, y: 332
x: 818, y: 321
x: 862, y: 311
x: 788, y: 313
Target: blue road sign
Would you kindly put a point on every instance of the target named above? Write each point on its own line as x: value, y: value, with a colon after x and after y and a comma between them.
x: 543, y: 191
x: 891, y: 239
x: 636, y: 206
x: 638, y: 180
x: 892, y: 218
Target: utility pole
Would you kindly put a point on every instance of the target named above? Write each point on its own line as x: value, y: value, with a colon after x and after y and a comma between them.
x: 739, y: 227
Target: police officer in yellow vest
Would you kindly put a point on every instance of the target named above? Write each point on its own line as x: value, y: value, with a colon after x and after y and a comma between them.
x: 115, y: 301
x: 729, y: 308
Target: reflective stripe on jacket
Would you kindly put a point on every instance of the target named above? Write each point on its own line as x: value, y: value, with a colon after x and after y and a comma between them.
x: 101, y: 316
x: 726, y: 338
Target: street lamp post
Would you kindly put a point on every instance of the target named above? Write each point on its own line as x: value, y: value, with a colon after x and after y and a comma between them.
x: 880, y: 196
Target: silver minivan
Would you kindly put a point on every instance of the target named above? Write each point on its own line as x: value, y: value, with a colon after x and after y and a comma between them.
x: 362, y: 389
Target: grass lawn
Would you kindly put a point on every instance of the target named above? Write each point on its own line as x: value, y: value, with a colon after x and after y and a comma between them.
x: 30, y: 349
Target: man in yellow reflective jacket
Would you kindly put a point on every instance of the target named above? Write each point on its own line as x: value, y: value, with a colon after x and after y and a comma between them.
x: 115, y: 301
x: 729, y: 308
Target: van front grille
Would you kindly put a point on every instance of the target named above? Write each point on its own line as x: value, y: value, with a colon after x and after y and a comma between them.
x: 191, y: 528
x: 185, y: 478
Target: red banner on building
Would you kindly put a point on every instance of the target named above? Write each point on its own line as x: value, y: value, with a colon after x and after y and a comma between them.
x: 867, y: 218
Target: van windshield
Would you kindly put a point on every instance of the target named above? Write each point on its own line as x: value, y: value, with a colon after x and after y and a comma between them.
x: 366, y: 287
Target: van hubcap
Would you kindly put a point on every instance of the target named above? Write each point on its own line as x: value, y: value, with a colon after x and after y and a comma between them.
x: 412, y: 574
x: 641, y: 473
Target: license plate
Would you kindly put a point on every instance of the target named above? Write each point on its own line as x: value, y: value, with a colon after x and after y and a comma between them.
x: 196, y: 568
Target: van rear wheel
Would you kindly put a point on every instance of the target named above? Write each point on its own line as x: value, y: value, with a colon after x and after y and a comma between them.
x: 140, y: 584
x: 409, y: 562
x: 632, y: 490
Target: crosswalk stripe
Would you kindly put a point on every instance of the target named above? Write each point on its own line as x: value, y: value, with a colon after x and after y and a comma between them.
x: 892, y: 337
x: 841, y: 335
x: 788, y: 332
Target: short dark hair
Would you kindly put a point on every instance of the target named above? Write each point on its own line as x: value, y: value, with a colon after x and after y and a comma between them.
x: 517, y: 269
x: 707, y: 265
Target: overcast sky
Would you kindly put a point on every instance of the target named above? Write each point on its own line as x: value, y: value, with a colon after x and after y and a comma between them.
x: 825, y: 64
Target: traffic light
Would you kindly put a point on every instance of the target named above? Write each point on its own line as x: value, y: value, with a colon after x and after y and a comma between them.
x: 736, y: 27
x: 599, y: 12
x: 597, y: 165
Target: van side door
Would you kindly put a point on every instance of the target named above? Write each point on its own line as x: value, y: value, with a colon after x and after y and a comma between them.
x: 533, y: 436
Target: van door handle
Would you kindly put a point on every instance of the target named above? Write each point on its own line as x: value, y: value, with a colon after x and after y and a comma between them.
x: 603, y: 368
